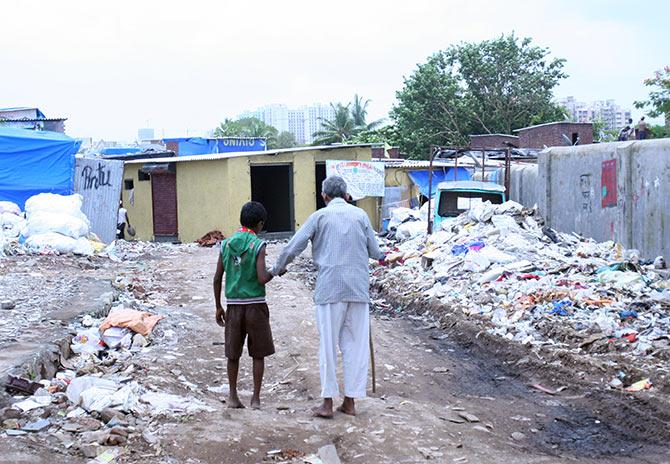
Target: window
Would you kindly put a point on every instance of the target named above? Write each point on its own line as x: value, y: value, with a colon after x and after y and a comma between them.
x: 128, y: 184
x: 143, y: 176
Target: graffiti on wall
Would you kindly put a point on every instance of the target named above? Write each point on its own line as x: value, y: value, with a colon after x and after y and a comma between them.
x: 98, y: 181
x: 587, y: 192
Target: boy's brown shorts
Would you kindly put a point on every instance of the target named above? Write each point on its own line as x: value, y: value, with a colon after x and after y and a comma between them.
x: 252, y: 320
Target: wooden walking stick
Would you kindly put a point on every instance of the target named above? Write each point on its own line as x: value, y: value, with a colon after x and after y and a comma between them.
x: 372, y: 360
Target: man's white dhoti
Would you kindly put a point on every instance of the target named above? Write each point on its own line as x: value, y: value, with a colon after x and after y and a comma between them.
x: 346, y: 325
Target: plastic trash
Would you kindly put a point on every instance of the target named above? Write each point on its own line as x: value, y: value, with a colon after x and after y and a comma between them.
x: 476, y: 262
x: 117, y: 336
x: 50, y: 202
x: 42, y: 222
x: 505, y: 224
x: 644, y: 384
x: 91, y: 393
x: 10, y: 208
x: 627, y: 314
x: 559, y: 307
x: 491, y: 275
x: 165, y: 403
x: 87, y: 341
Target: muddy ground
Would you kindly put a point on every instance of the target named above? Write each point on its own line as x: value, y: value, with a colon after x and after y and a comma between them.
x: 428, y: 380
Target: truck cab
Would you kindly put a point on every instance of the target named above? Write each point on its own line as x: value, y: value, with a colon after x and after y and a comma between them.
x: 457, y: 197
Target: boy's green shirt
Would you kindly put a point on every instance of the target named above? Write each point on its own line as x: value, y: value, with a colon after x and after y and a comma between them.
x: 239, y: 254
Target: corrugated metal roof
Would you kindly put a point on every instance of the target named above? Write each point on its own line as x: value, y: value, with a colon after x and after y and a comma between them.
x: 243, y: 154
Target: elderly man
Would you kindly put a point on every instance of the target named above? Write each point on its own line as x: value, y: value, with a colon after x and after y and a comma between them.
x: 342, y: 243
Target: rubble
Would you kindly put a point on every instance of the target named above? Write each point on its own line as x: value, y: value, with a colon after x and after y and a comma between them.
x: 497, y: 265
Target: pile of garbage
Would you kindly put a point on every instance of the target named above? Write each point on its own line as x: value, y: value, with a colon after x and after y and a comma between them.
x: 50, y: 224
x: 95, y: 403
x: 533, y: 285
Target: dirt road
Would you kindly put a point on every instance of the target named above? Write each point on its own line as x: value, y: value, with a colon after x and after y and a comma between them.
x: 428, y: 388
x: 437, y: 399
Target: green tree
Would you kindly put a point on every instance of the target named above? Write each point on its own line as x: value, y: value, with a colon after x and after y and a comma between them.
x: 339, y: 130
x: 660, y: 132
x: 284, y: 139
x: 359, y: 113
x: 386, y: 134
x: 247, y: 127
x: 659, y: 96
x: 494, y: 86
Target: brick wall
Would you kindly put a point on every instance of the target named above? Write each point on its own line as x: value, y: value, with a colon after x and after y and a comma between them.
x: 551, y: 135
x: 492, y: 141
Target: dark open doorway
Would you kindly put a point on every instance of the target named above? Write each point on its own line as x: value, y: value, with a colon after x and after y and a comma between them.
x: 320, y: 174
x: 272, y: 185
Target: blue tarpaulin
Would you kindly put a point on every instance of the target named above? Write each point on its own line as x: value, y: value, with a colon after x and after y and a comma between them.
x: 33, y: 162
x: 204, y: 146
x: 120, y: 150
x: 420, y: 178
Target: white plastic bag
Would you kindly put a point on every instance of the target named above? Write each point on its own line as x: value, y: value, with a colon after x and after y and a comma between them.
x: 411, y: 229
x: 91, y: 393
x: 87, y: 341
x: 475, y: 261
x: 481, y: 212
x: 496, y: 256
x: 9, y: 207
x: 58, y: 243
x: 118, y: 336
x: 41, y: 222
x: 505, y: 224
x: 64, y: 204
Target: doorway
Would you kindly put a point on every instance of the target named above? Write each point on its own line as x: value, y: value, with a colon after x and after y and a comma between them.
x: 164, y: 206
x: 272, y: 185
x: 320, y: 175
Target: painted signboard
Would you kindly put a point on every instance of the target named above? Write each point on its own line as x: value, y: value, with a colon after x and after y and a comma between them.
x: 98, y: 181
x: 364, y: 178
x: 608, y: 183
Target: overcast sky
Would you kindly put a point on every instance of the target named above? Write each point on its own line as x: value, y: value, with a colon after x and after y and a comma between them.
x: 178, y: 66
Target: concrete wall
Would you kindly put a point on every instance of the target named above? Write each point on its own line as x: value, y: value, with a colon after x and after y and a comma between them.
x: 634, y: 213
x: 523, y: 184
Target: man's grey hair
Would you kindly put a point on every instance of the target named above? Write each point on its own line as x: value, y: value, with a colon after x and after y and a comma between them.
x: 334, y: 187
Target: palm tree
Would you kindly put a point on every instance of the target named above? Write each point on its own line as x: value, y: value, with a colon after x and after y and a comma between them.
x: 339, y: 130
x: 359, y: 113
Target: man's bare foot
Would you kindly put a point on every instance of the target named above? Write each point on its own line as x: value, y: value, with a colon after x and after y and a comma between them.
x: 234, y: 403
x: 347, y: 407
x: 325, y: 411
x: 255, y: 403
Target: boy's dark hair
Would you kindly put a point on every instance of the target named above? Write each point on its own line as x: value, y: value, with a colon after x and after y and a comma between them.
x: 252, y: 213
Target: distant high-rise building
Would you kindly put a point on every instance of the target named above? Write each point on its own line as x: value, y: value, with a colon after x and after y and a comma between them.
x: 302, y: 122
x: 145, y: 133
x: 612, y: 115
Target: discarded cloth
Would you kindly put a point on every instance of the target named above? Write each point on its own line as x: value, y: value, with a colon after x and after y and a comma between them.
x: 137, y: 321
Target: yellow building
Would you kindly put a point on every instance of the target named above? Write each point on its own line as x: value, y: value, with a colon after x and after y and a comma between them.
x: 183, y: 198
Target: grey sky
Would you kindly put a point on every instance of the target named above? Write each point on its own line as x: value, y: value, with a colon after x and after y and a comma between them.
x: 112, y: 66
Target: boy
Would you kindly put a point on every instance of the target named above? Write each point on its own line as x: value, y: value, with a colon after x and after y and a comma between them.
x: 242, y: 259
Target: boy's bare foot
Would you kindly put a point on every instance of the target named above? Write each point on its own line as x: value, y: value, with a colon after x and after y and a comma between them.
x: 255, y: 403
x: 325, y: 411
x: 234, y: 403
x: 347, y: 407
